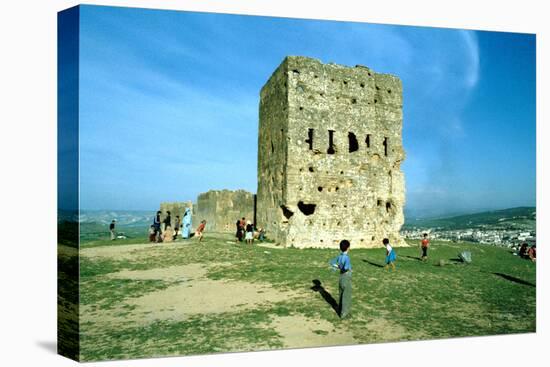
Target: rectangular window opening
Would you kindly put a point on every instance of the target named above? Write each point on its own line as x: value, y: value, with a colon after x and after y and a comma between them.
x: 309, y: 139
x: 353, y: 144
x: 331, y: 149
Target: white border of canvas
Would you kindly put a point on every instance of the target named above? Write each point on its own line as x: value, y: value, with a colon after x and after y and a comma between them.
x: 28, y: 181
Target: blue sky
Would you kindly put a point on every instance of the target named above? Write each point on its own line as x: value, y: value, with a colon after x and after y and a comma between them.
x: 169, y: 104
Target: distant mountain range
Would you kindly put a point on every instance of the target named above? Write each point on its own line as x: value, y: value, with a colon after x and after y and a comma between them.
x: 522, y: 217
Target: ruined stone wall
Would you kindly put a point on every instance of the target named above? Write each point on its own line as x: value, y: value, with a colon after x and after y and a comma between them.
x: 175, y: 208
x: 221, y: 209
x: 329, y: 155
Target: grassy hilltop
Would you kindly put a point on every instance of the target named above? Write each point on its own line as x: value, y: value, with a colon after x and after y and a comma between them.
x: 169, y: 299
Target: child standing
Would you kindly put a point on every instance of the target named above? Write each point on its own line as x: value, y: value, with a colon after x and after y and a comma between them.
x: 249, y: 233
x: 424, y: 245
x: 343, y: 264
x: 390, y: 254
x: 152, y: 234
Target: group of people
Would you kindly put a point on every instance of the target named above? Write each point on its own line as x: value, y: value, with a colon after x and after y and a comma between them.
x: 162, y: 230
x: 526, y: 252
x: 247, y: 231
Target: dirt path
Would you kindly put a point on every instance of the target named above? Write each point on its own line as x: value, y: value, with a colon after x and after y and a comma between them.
x: 191, y: 294
x: 299, y: 331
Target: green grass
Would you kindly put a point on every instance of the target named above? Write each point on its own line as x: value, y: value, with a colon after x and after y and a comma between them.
x: 496, y: 294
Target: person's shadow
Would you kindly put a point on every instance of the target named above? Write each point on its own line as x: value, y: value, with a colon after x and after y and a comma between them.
x: 373, y: 264
x: 317, y: 287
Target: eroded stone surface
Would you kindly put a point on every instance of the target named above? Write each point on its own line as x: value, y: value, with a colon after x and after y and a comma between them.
x: 329, y: 155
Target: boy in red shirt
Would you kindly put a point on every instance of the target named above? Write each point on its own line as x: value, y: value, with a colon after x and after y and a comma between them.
x: 424, y: 245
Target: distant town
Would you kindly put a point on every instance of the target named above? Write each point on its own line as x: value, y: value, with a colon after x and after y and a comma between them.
x: 507, y: 228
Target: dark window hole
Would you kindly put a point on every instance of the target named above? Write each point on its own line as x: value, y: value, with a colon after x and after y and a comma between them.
x: 309, y: 139
x: 306, y: 209
x: 367, y: 140
x: 320, y: 188
x: 362, y: 85
x: 287, y: 212
x: 311, y: 169
x: 353, y: 144
x: 353, y: 100
x: 331, y: 149
x: 296, y: 71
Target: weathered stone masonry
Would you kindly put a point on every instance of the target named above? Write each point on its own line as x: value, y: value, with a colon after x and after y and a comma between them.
x: 222, y: 208
x: 329, y: 155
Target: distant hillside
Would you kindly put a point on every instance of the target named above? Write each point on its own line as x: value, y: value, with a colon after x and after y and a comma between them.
x: 124, y: 218
x: 94, y: 224
x: 514, y: 218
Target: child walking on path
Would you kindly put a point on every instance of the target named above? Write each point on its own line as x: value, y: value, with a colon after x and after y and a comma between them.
x: 343, y: 263
x: 390, y: 255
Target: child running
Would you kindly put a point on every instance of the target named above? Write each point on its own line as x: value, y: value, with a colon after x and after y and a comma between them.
x: 390, y: 254
x: 342, y: 262
x: 200, y: 230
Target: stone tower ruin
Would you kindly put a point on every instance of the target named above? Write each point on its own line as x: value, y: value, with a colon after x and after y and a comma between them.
x: 329, y: 155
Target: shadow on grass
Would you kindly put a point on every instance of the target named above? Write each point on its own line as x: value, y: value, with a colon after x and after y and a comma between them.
x: 317, y: 287
x: 373, y: 264
x: 514, y: 279
x: 413, y: 257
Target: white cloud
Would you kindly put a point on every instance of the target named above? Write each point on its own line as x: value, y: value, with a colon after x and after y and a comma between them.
x: 471, y: 43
